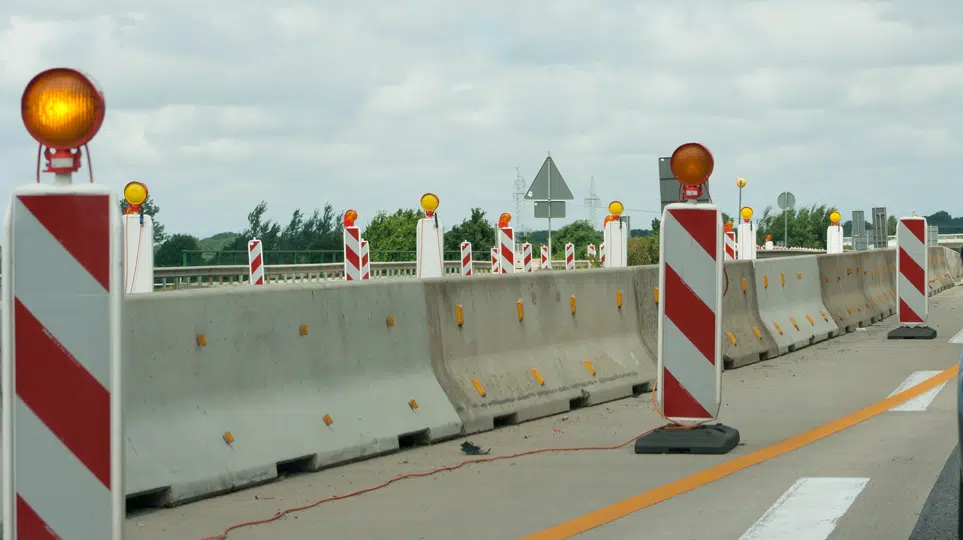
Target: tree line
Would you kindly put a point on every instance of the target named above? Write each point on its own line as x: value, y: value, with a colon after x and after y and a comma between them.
x: 317, y: 236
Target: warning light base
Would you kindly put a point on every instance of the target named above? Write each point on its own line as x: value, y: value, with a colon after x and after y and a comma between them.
x: 912, y: 332
x: 705, y: 439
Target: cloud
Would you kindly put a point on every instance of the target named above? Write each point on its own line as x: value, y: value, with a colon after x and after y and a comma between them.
x: 217, y: 105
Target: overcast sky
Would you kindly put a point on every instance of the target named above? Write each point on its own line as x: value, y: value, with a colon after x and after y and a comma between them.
x: 367, y: 104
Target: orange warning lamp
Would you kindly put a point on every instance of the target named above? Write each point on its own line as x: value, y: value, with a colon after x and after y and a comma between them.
x: 768, y: 238
x: 62, y: 110
x: 729, y: 226
x: 834, y: 217
x: 429, y: 203
x: 606, y: 221
x: 135, y: 193
x: 691, y: 164
x: 504, y: 220
x: 746, y: 213
x: 616, y: 209
x: 350, y: 217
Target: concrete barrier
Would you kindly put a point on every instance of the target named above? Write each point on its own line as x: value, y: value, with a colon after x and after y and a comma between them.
x: 873, y: 268
x: 507, y: 350
x: 941, y: 272
x: 746, y: 338
x: 843, y: 292
x: 790, y: 302
x: 224, y: 387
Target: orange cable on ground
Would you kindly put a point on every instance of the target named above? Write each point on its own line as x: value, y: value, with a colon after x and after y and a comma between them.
x: 282, y: 513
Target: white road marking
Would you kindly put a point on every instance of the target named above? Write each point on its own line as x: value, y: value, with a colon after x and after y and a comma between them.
x: 922, y: 401
x: 809, y: 510
x: 957, y: 338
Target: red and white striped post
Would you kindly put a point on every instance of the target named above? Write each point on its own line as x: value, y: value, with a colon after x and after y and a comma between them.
x: 63, y: 286
x: 365, y: 260
x: 352, y: 247
x: 527, y: 258
x: 506, y: 245
x: 255, y: 262
x: 570, y: 256
x: 730, y: 241
x: 602, y: 253
x: 466, y: 258
x: 495, y: 261
x: 689, y: 376
x: 912, y: 289
x: 546, y: 259
x: 590, y: 251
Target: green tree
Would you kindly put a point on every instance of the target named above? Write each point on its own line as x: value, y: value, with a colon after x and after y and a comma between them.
x: 806, y: 226
x: 644, y: 250
x: 891, y: 225
x: 393, y: 232
x: 477, y: 230
x: 321, y: 231
x: 150, y: 209
x: 656, y: 225
x: 581, y: 233
x: 171, y: 252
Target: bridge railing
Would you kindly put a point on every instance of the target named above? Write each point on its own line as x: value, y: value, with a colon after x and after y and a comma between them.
x: 953, y: 238
x: 186, y: 277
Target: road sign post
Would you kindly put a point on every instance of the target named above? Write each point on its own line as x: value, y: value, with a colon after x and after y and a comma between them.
x: 429, y: 241
x: 912, y: 287
x: 786, y: 202
x: 689, y: 385
x: 549, y: 191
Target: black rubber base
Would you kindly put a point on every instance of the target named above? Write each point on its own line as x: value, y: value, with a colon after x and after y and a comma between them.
x: 912, y: 332
x: 714, y: 439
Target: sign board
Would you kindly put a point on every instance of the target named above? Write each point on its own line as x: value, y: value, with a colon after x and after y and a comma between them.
x: 549, y: 185
x: 860, y: 242
x: 669, y: 186
x: 880, y: 236
x: 786, y: 201
x: 549, y: 209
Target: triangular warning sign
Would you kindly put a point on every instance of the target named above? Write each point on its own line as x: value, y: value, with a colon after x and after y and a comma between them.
x: 549, y: 184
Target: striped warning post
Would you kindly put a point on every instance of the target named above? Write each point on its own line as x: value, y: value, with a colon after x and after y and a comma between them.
x: 365, y: 260
x: 527, y: 257
x: 590, y: 251
x: 546, y: 260
x: 730, y: 245
x: 602, y: 253
x: 495, y: 261
x: 912, y: 267
x: 255, y: 262
x: 506, y: 250
x: 352, y: 254
x: 466, y: 258
x: 570, y: 256
x: 690, y: 307
x: 63, y: 285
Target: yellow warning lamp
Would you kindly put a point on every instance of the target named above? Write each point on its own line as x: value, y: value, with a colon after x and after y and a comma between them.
x: 62, y: 109
x: 504, y: 220
x: 350, y: 217
x: 429, y: 203
x: 616, y: 208
x: 746, y: 213
x: 740, y: 183
x: 135, y: 193
x: 834, y: 217
x: 691, y: 164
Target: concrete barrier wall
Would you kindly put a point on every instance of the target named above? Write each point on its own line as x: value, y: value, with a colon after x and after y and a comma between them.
x: 873, y: 267
x: 257, y: 378
x: 842, y: 290
x: 790, y: 302
x: 746, y: 337
x: 519, y: 352
x: 299, y: 377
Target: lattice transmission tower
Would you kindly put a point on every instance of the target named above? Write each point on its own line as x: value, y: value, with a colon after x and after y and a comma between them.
x: 519, y: 195
x: 593, y: 202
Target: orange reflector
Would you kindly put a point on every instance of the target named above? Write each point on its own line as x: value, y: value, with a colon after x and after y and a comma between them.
x: 391, y: 321
x: 228, y: 437
x: 201, y: 340
x: 303, y: 329
x: 618, y: 299
x: 459, y: 315
x: 655, y: 294
x: 478, y: 387
x: 521, y: 309
x: 571, y: 303
x: 538, y: 377
x: 743, y: 284
x: 757, y: 332
x: 777, y: 328
x: 732, y: 338
x: 590, y: 367
x: 413, y: 404
x: 765, y: 281
x: 327, y: 420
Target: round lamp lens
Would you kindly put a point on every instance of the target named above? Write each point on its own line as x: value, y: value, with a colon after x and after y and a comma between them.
x: 350, y: 217
x: 429, y: 202
x: 835, y: 217
x: 135, y: 193
x: 691, y: 164
x: 746, y: 213
x: 504, y: 219
x: 741, y: 182
x: 62, y: 109
x: 616, y: 208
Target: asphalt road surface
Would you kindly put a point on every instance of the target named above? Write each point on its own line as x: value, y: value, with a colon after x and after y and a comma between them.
x: 890, y: 477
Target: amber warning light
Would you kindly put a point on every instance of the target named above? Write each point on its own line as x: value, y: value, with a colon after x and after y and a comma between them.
x: 135, y: 193
x: 350, y: 217
x: 504, y: 220
x: 63, y: 111
x: 691, y: 164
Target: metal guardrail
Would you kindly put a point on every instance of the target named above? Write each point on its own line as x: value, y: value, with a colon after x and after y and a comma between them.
x: 953, y: 238
x: 188, y: 277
